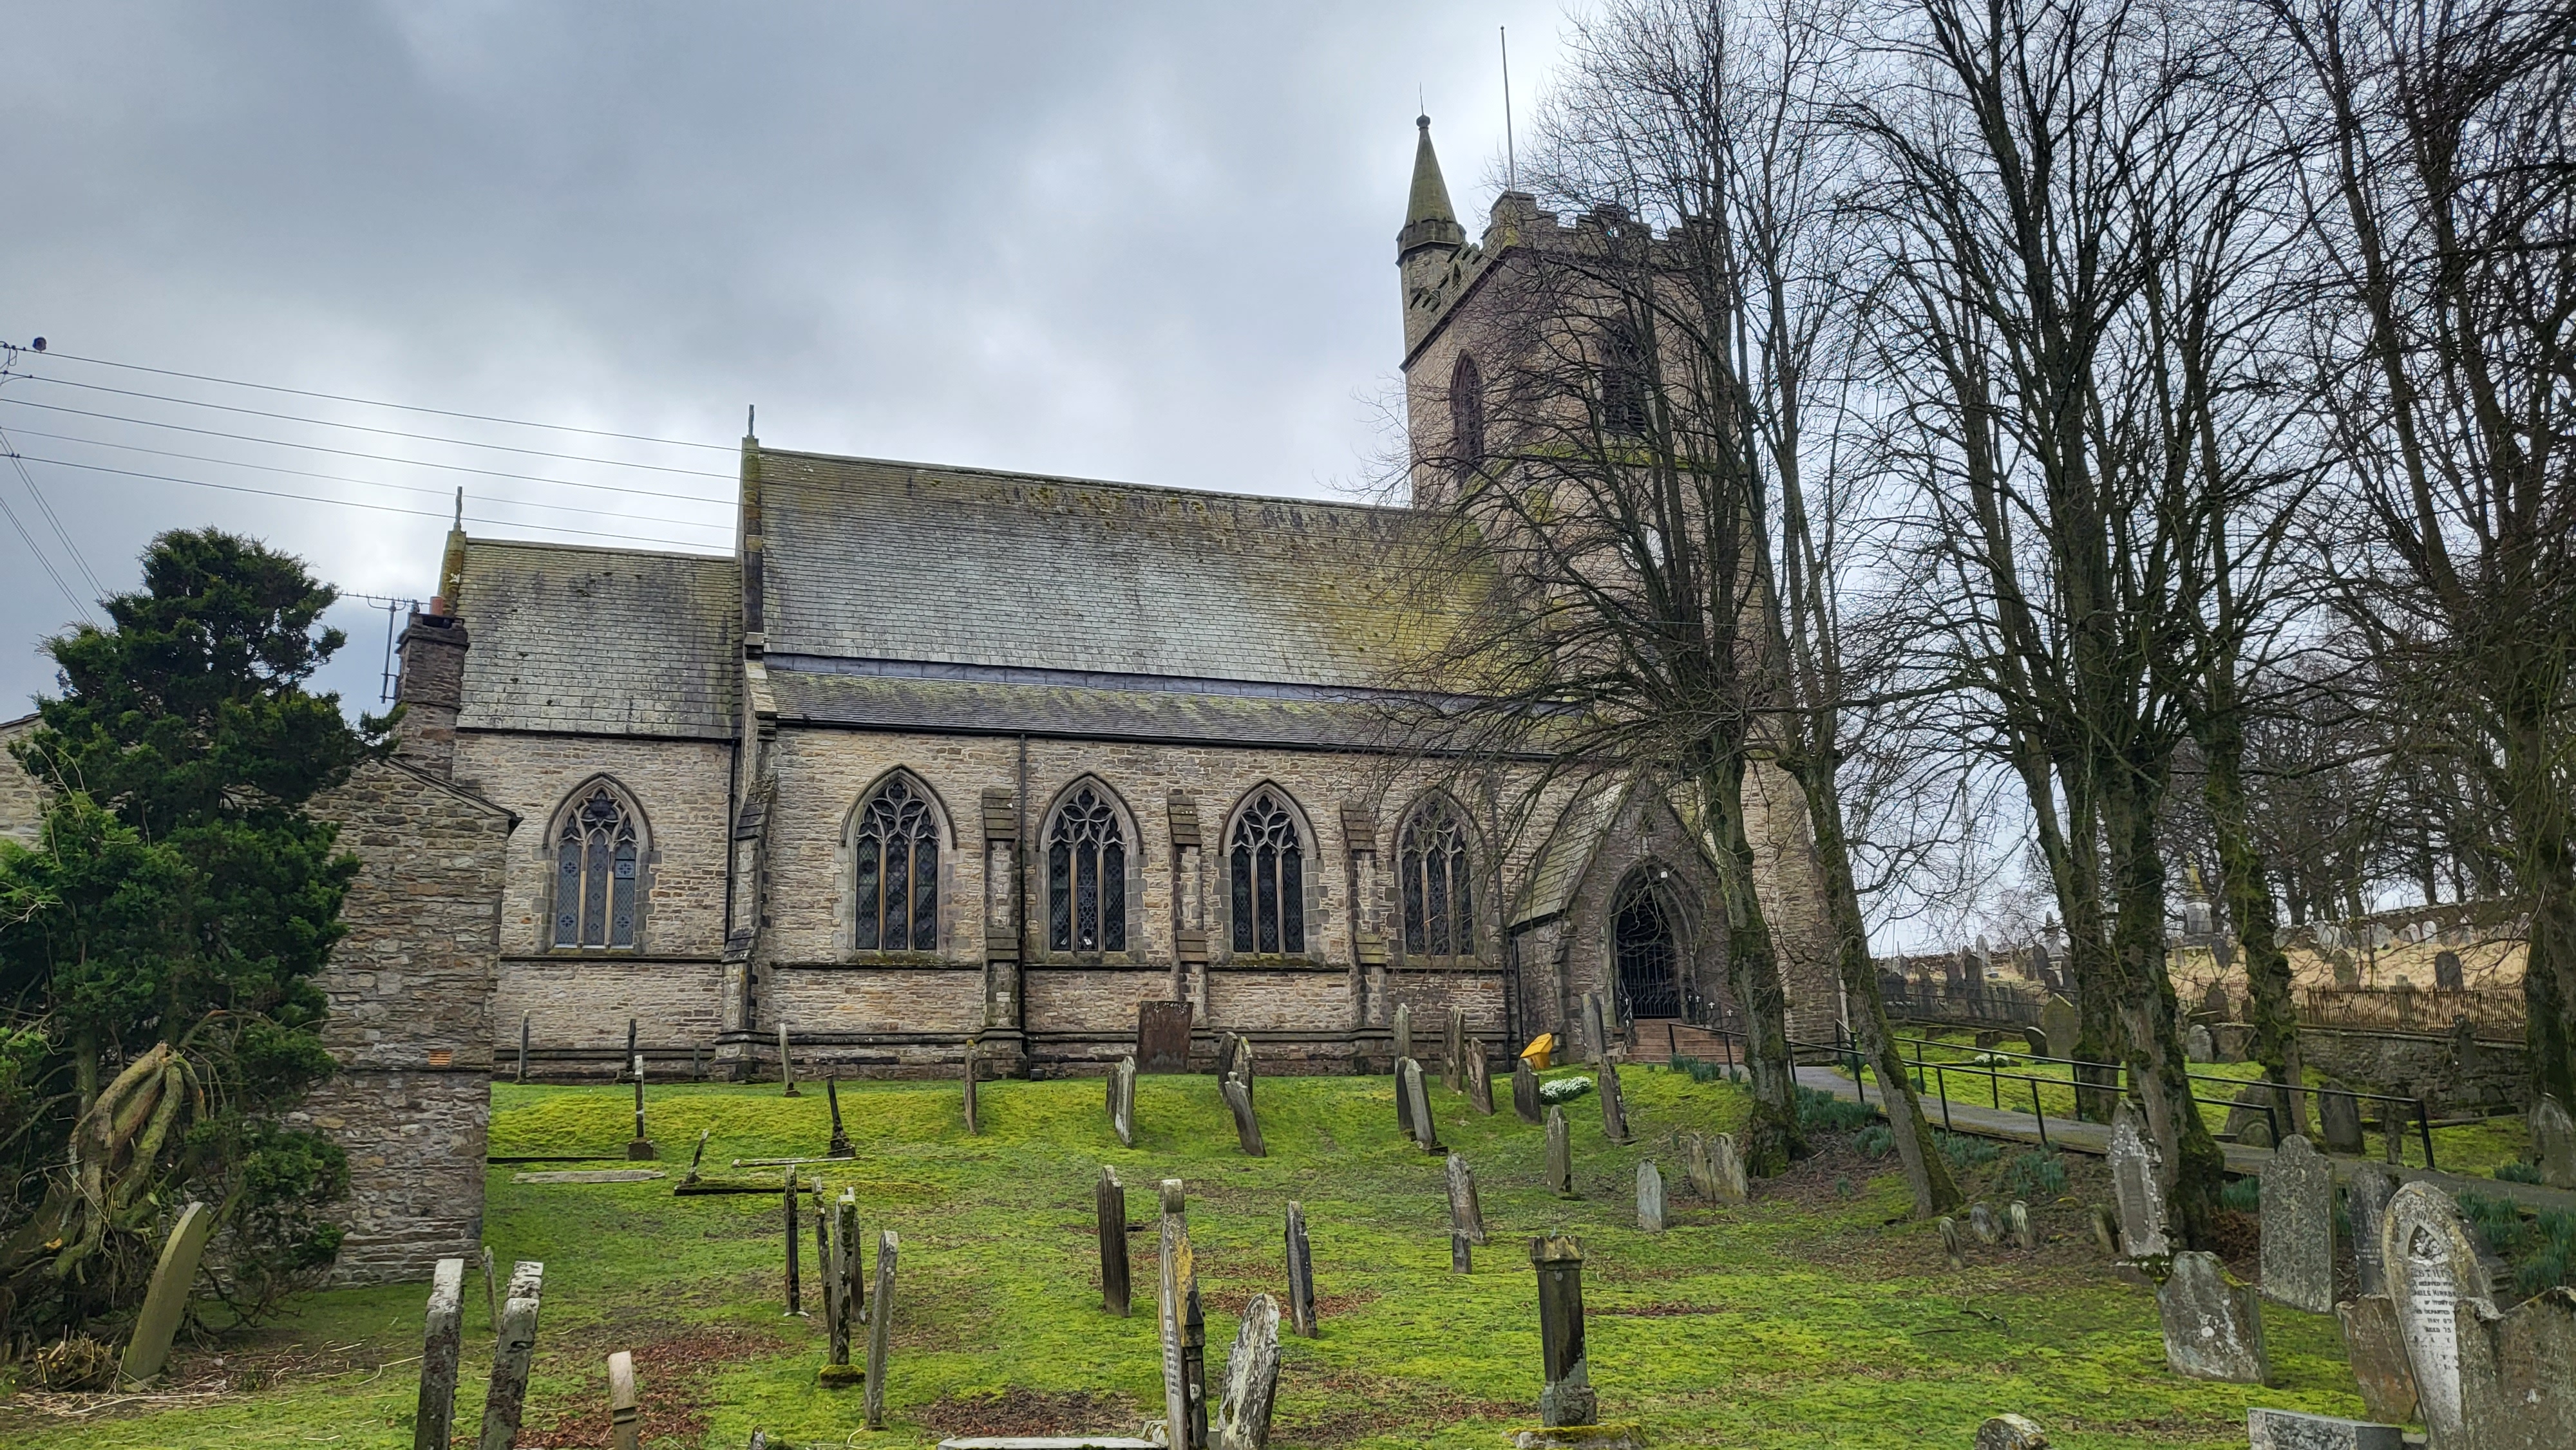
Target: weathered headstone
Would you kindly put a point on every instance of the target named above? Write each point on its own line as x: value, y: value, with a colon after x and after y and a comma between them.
x: 1247, y: 1126
x: 795, y: 1289
x: 2347, y: 969
x: 2447, y: 975
x: 505, y: 1396
x: 1953, y: 1247
x: 2106, y: 1229
x: 840, y: 1145
x: 2060, y: 1022
x: 2297, y: 1196
x: 2135, y: 1188
x: 1400, y: 1024
x: 2198, y: 1045
x: 2214, y: 1003
x: 2035, y: 1040
x: 2432, y: 1269
x: 1251, y: 1379
x: 2376, y: 1350
x: 1614, y: 1104
x: 847, y: 1300
x: 491, y: 1293
x: 624, y: 1410
x: 1596, y: 1029
x: 1301, y: 1274
x: 440, y: 1349
x: 1178, y: 1287
x: 1163, y: 1037
x: 2395, y: 1119
x: 2339, y: 1122
x: 786, y: 1064
x: 1728, y: 1166
x: 697, y: 1157
x: 2250, y: 1118
x: 1109, y: 1223
x: 1462, y: 1253
x: 2518, y: 1372
x: 2213, y: 1329
x: 1525, y: 1092
x: 1650, y: 1197
x: 1982, y: 1223
x: 2553, y: 1142
x: 971, y: 1125
x: 1426, y: 1130
x: 1403, y: 1100
x: 2365, y: 1203
x: 1466, y: 1213
x: 1225, y: 1043
x: 1242, y: 1066
x: 1453, y: 1051
x: 1122, y: 1100
x: 167, y: 1298
x: 2270, y: 1429
x: 1560, y: 1154
x: 523, y: 1046
x: 2017, y: 1224
x: 880, y: 1328
x: 1698, y: 1173
x: 1480, y: 1077
x: 1567, y: 1398
x: 1194, y: 1365
x: 2010, y: 1432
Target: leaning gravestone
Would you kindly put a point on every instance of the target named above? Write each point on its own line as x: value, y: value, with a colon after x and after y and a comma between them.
x: 971, y: 1121
x: 1453, y: 1052
x: 1650, y: 1197
x: 2376, y: 1351
x: 2297, y: 1190
x: 1122, y: 1100
x: 2135, y: 1188
x: 1163, y: 1037
x: 880, y: 1327
x: 1596, y: 1028
x: 2432, y: 1270
x: 2365, y: 1202
x: 1466, y: 1213
x: 1560, y: 1154
x: 1981, y: 1222
x: 1697, y: 1171
x: 2213, y: 1329
x: 1247, y: 1125
x: 167, y: 1299
x: 2518, y: 1372
x: 1403, y: 1100
x: 2061, y: 1023
x: 1953, y: 1248
x: 1177, y: 1288
x: 1251, y: 1380
x: 1109, y: 1224
x: 1417, y: 1099
x: 1614, y: 1104
x: 1728, y: 1167
x: 2270, y: 1429
x: 441, y: 1347
x: 1301, y: 1274
x: 2553, y: 1142
x: 1400, y: 1026
x: 1480, y: 1077
x: 2339, y: 1121
x: 1525, y: 1092
x: 505, y: 1395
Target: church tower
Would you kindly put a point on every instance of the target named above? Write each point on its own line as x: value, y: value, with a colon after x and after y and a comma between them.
x: 1430, y: 241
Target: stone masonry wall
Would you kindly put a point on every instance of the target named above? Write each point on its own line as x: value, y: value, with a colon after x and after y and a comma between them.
x: 22, y: 801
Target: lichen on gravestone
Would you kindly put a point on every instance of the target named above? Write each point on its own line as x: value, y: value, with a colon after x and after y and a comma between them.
x: 2213, y: 1327
x: 2297, y: 1217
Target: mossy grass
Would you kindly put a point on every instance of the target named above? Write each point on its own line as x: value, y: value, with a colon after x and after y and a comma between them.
x: 1804, y: 1319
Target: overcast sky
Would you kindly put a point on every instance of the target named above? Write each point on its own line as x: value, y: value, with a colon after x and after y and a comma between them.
x: 1144, y: 242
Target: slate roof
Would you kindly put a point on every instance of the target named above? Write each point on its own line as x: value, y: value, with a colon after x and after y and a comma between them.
x: 605, y: 641
x: 1558, y: 872
x: 878, y: 560
x: 1247, y: 721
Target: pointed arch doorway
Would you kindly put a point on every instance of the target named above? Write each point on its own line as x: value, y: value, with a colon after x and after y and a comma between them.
x: 1645, y: 952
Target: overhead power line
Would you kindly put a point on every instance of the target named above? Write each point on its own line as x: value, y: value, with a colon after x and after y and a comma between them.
x: 79, y: 561
x: 379, y: 403
x: 355, y: 504
x: 360, y: 428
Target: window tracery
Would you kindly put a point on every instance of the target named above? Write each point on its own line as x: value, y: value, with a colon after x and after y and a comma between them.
x: 1086, y: 877
x: 1269, y: 894
x: 598, y: 865
x: 895, y: 851
x: 1466, y: 416
x: 1439, y: 906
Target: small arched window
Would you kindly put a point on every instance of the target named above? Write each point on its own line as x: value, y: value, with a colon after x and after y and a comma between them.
x: 1086, y: 876
x: 1624, y: 381
x: 1269, y: 878
x: 598, y: 866
x: 895, y: 849
x: 1466, y: 416
x: 1439, y: 905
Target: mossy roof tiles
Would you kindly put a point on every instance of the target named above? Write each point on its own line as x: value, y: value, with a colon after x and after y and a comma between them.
x: 600, y: 641
x: 877, y: 560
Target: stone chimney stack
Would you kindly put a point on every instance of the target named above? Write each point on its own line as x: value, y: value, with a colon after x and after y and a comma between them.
x: 431, y: 690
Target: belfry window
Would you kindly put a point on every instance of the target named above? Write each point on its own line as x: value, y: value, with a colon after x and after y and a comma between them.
x: 1439, y: 908
x: 1086, y: 877
x: 598, y: 864
x: 895, y: 848
x: 1624, y: 381
x: 1269, y: 878
x: 1466, y: 416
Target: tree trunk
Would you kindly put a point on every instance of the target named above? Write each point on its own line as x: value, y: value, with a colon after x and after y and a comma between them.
x: 1772, y: 1140
x: 2548, y: 862
x: 2248, y: 889
x: 2193, y: 1167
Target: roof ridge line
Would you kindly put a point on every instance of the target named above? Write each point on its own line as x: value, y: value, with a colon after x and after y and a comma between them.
x: 1022, y: 475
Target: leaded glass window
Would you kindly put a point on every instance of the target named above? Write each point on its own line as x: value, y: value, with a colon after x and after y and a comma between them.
x: 1439, y: 906
x: 1269, y: 878
x: 597, y: 869
x: 895, y: 847
x: 1086, y: 877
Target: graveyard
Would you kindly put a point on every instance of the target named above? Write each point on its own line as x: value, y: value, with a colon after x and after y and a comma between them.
x: 1815, y: 1314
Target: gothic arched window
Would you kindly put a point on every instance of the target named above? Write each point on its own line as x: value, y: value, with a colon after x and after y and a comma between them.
x: 1439, y: 905
x: 1624, y: 381
x: 598, y: 866
x: 894, y: 846
x: 1086, y: 876
x: 1466, y: 416
x: 1269, y: 877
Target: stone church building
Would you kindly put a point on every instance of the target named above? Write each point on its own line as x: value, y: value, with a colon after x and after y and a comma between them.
x: 942, y: 752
